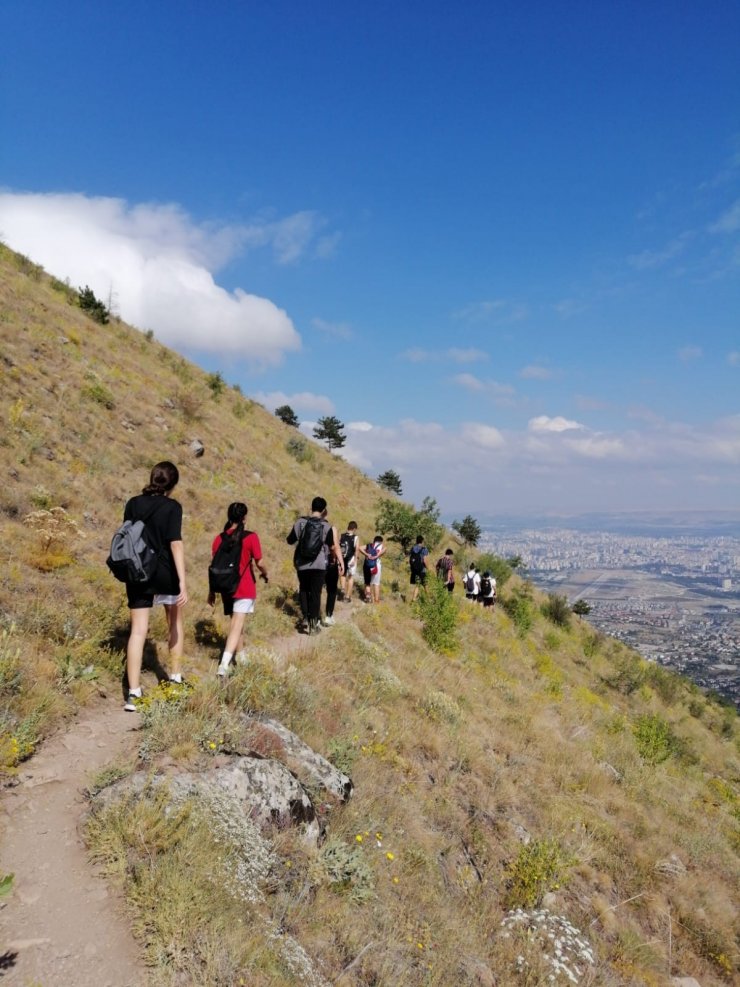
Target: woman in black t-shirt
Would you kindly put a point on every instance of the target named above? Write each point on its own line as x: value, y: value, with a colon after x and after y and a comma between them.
x: 163, y: 518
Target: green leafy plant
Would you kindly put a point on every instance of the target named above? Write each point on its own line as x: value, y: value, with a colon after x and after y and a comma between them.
x: 439, y: 611
x: 92, y: 306
x: 556, y: 609
x: 299, y: 449
x: 518, y: 605
x: 654, y: 738
x: 538, y: 868
x: 216, y: 384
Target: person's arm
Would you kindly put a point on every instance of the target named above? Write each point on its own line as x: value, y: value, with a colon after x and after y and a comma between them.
x: 336, y: 550
x: 178, y: 555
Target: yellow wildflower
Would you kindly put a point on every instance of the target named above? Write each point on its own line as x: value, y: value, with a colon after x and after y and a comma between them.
x: 390, y: 856
x: 359, y: 837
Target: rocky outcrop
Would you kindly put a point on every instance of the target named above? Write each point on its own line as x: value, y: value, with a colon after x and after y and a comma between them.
x: 313, y: 770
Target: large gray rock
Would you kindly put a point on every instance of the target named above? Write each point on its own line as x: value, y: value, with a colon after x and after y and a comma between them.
x: 311, y: 768
x: 265, y: 790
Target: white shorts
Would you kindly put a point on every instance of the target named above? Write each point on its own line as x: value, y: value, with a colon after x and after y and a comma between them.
x: 243, y: 606
x: 351, y: 569
x: 167, y: 599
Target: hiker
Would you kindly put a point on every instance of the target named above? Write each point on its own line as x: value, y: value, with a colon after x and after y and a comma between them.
x: 446, y: 570
x: 348, y: 544
x: 471, y: 582
x: 371, y: 568
x: 418, y: 563
x: 163, y: 519
x: 313, y: 538
x: 240, y: 548
x: 488, y: 589
x: 332, y: 579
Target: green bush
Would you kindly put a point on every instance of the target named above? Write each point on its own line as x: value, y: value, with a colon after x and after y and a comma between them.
x: 299, y: 449
x: 556, y: 609
x: 538, y: 868
x: 498, y: 567
x: 520, y: 609
x: 438, y: 610
x: 654, y: 738
x: 216, y: 384
x: 96, y: 391
x: 92, y: 306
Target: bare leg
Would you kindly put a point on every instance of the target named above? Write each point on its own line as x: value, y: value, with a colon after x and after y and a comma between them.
x: 175, y: 637
x: 135, y: 646
x: 235, y: 640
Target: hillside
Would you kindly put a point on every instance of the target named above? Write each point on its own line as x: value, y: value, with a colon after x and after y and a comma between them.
x: 526, y: 762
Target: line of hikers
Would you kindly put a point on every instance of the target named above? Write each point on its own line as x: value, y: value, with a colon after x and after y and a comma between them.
x: 478, y: 588
x: 147, y: 554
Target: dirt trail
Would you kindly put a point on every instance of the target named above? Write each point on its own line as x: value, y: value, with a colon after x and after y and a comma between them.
x: 63, y: 925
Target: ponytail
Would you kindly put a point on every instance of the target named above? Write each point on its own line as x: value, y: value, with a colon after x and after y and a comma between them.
x: 163, y: 478
x: 235, y: 516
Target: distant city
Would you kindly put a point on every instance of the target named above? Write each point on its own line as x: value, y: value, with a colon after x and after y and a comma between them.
x: 668, y: 586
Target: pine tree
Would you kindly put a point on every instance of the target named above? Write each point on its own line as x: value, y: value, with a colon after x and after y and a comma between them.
x: 468, y: 529
x: 329, y: 430
x: 391, y: 481
x: 286, y: 414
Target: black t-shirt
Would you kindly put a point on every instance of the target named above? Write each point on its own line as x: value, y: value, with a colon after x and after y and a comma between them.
x: 163, y: 519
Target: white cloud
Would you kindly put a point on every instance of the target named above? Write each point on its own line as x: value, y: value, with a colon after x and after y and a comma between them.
x: 469, y: 355
x: 543, y: 423
x: 359, y: 427
x: 486, y: 436
x: 503, y: 395
x: 158, y: 263
x: 477, y: 466
x: 649, y: 259
x: 535, y: 372
x: 729, y: 221
x: 499, y: 311
x: 452, y: 355
x: 336, y: 330
x: 687, y: 354
x: 302, y: 401
x: 469, y: 382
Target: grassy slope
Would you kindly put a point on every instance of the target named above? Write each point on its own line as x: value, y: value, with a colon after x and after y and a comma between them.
x: 557, y: 736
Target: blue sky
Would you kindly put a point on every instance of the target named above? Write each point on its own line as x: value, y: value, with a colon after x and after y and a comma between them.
x: 500, y: 241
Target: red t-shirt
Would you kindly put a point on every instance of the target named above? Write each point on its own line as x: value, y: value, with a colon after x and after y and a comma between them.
x: 251, y: 549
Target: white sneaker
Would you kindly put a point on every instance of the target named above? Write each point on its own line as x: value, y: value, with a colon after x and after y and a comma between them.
x: 328, y: 621
x: 222, y: 671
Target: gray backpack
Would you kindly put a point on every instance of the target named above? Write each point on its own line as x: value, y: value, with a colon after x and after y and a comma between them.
x: 132, y: 558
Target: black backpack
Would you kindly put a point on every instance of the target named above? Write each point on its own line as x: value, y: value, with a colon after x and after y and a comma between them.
x: 225, y: 570
x: 133, y: 558
x: 416, y: 561
x: 347, y: 546
x: 311, y: 540
x: 485, y: 586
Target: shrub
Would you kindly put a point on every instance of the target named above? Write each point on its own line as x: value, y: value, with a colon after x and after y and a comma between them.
x: 347, y: 870
x: 556, y: 609
x: 299, y: 449
x: 498, y: 567
x: 92, y: 306
x: 654, y: 738
x: 519, y: 608
x: 216, y: 384
x: 96, y: 391
x: 440, y: 708
x: 438, y: 610
x: 537, y: 869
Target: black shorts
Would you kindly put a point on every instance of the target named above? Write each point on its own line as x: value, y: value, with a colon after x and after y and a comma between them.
x: 138, y: 598
x: 418, y: 577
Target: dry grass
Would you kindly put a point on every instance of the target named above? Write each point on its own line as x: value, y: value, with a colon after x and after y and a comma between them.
x: 553, y: 739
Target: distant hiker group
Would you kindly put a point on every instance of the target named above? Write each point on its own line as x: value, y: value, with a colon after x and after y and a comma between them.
x: 147, y: 554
